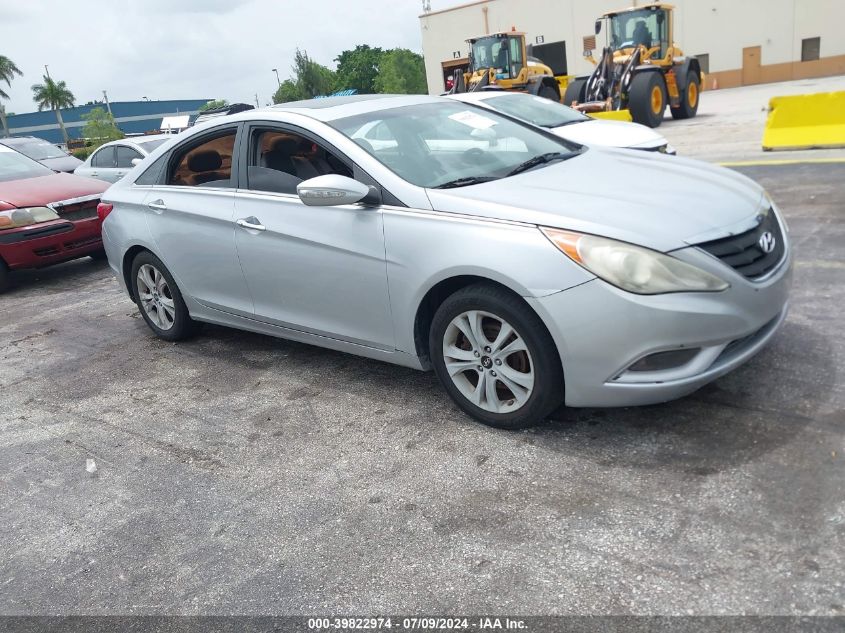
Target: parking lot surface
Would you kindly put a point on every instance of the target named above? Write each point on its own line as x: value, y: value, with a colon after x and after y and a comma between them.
x: 236, y: 473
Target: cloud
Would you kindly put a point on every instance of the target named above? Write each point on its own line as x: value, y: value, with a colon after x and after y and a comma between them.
x: 168, y: 49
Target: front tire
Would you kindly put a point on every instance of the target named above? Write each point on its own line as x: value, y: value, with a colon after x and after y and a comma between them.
x: 647, y: 98
x: 159, y: 299
x: 495, y: 358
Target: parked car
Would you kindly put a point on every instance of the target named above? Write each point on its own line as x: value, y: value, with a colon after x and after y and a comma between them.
x: 519, y: 276
x: 214, y: 113
x: 112, y: 161
x: 42, y: 151
x: 568, y: 123
x: 45, y: 217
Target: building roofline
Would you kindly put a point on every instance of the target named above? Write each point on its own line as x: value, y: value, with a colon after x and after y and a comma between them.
x: 455, y: 8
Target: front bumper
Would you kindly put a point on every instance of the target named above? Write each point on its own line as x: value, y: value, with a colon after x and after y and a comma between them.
x: 50, y: 242
x: 601, y: 331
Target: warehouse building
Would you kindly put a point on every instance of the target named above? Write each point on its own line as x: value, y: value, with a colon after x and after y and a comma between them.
x: 737, y: 42
x: 132, y: 117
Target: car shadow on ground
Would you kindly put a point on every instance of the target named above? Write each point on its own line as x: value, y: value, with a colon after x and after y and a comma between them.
x: 55, y: 278
x: 748, y: 413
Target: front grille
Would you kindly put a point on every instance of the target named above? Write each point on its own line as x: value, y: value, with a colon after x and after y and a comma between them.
x: 744, y: 253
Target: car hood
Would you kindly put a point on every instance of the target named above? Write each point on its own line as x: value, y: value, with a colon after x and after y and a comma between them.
x: 657, y: 201
x: 34, y: 192
x: 610, y: 134
x: 63, y: 163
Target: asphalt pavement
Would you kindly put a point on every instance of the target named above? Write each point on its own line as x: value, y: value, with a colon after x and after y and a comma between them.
x: 237, y: 473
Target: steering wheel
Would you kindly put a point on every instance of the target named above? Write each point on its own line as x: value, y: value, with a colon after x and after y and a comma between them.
x: 473, y: 155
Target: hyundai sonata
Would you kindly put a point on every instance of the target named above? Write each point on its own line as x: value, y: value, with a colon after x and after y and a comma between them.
x: 526, y: 270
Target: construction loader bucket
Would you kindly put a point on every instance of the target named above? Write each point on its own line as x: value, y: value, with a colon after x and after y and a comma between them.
x: 806, y: 122
x: 613, y: 115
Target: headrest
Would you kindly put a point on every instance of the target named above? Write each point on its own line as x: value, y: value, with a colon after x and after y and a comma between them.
x: 207, y: 160
x: 285, y: 145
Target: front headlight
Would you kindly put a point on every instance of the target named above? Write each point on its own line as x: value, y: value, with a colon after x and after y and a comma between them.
x: 633, y: 268
x: 16, y: 218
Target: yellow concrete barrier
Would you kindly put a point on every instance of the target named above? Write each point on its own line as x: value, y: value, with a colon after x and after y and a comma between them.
x: 806, y: 122
x: 613, y: 115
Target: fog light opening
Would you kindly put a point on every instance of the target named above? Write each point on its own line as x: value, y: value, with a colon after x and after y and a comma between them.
x: 661, y: 361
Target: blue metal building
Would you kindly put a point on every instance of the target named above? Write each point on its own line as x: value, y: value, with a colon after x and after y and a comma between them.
x: 130, y: 116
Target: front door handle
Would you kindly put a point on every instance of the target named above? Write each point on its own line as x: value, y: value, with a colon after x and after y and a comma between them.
x: 157, y: 205
x: 251, y: 222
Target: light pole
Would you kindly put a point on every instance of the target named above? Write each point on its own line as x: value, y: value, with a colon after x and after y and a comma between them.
x: 278, y: 81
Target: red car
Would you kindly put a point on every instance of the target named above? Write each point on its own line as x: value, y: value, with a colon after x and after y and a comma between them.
x: 45, y: 217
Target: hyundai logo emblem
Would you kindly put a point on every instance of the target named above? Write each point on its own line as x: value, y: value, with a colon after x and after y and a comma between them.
x: 767, y: 242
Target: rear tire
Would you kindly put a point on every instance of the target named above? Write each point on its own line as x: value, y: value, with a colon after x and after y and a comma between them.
x: 159, y: 299
x: 520, y: 380
x: 690, y: 98
x: 547, y: 92
x: 4, y: 276
x: 647, y: 98
x: 575, y: 91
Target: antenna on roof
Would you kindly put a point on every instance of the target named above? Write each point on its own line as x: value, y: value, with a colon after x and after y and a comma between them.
x: 426, y: 6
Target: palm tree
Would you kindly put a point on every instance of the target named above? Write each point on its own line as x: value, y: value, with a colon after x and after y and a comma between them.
x: 8, y: 70
x: 54, y: 95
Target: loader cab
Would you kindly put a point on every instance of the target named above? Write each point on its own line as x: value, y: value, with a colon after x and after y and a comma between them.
x: 505, y: 52
x: 649, y: 26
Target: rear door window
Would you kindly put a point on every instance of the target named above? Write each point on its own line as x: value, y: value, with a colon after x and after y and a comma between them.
x: 125, y: 155
x: 206, y: 163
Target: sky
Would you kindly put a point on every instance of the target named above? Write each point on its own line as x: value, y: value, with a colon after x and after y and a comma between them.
x: 189, y: 49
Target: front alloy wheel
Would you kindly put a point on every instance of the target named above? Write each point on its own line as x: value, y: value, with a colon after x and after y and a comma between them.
x: 488, y: 361
x: 159, y: 299
x: 495, y: 357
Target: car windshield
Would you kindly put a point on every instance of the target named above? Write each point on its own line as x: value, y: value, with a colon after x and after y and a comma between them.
x: 451, y: 144
x: 149, y: 146
x: 37, y: 149
x: 537, y: 110
x: 16, y: 166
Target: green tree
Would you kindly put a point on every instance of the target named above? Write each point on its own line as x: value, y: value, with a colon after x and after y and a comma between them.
x: 215, y: 103
x: 54, y: 95
x: 288, y: 91
x: 359, y: 68
x: 100, y: 127
x: 401, y: 72
x: 8, y: 70
x: 310, y: 79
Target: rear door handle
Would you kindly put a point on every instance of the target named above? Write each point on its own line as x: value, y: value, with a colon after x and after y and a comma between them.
x: 251, y: 222
x: 157, y: 205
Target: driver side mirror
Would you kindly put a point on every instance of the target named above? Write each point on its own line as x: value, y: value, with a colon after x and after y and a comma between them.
x: 598, y: 27
x: 136, y: 161
x: 331, y: 190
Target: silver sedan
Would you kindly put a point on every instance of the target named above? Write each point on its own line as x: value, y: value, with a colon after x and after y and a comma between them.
x: 526, y: 270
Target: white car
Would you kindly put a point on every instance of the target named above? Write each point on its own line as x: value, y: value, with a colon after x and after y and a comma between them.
x: 112, y: 161
x: 568, y: 123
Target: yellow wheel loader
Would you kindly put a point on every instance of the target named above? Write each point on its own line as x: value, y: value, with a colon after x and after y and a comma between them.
x: 501, y: 61
x: 641, y: 69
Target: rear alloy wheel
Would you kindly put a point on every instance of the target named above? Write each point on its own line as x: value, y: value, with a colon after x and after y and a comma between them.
x: 689, y: 98
x: 159, y: 299
x: 495, y: 358
x: 647, y: 98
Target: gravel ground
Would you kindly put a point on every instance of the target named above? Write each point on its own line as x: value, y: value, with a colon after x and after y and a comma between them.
x: 237, y: 473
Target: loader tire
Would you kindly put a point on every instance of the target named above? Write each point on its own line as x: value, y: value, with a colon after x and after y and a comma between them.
x: 547, y: 92
x: 575, y: 91
x: 690, y: 98
x: 647, y: 98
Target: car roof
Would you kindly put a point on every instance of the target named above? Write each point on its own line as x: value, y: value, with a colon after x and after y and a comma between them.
x: 331, y: 108
x: 470, y: 97
x: 19, y: 140
x: 138, y: 140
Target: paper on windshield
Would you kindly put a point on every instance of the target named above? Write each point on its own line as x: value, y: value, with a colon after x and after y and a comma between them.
x: 473, y: 119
